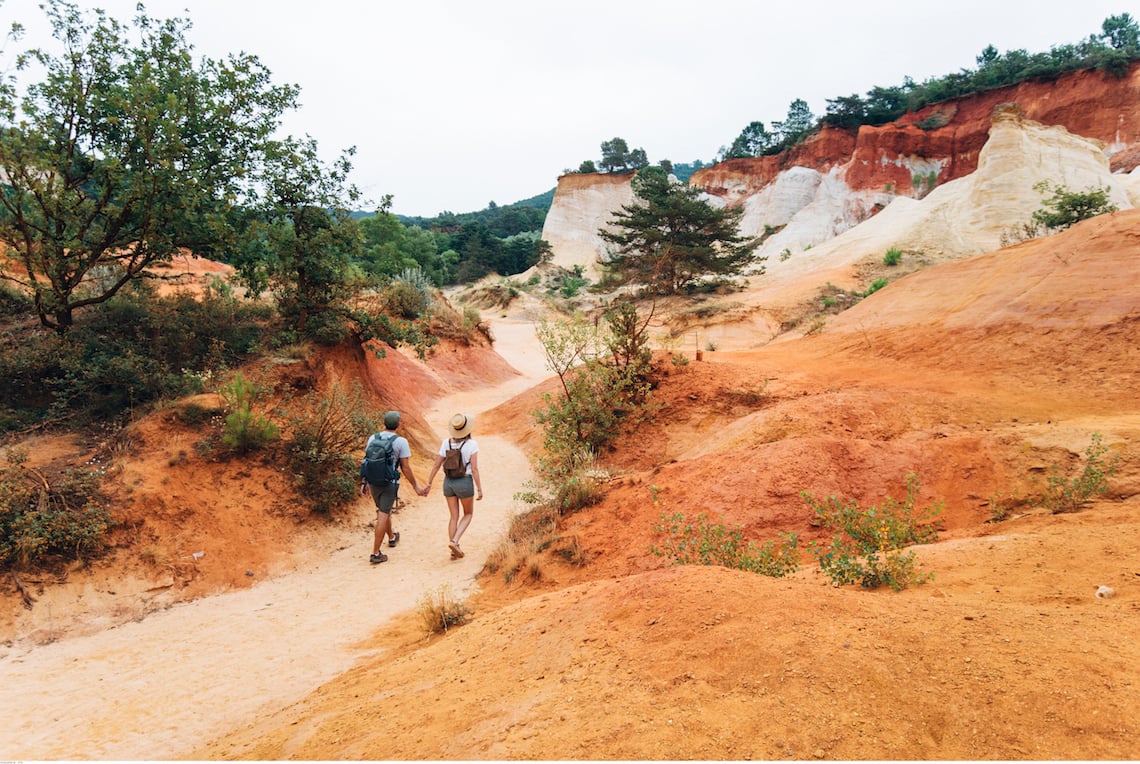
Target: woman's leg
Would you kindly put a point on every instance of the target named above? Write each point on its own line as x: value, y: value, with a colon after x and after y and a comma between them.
x: 468, y: 514
x: 453, y: 508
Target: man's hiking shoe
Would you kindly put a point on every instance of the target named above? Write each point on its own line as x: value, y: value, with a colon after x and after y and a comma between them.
x: 395, y: 539
x: 377, y: 558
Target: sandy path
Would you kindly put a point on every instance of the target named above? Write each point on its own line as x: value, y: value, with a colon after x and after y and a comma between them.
x: 159, y: 687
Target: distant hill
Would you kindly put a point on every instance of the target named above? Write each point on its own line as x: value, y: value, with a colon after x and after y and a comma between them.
x: 526, y: 215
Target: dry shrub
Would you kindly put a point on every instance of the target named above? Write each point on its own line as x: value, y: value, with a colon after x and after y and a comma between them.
x: 440, y: 611
x: 530, y: 534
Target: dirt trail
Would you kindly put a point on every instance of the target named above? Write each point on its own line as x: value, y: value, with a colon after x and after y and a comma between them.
x: 158, y: 687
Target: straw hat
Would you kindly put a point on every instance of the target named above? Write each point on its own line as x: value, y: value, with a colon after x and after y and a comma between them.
x: 460, y: 426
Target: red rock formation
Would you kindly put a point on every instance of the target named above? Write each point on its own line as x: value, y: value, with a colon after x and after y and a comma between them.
x: 890, y: 157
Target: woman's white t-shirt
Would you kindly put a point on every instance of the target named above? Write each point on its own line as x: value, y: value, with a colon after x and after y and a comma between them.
x: 466, y: 450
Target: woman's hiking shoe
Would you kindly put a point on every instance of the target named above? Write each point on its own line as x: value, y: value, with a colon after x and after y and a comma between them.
x: 395, y: 539
x: 456, y: 552
x: 377, y: 558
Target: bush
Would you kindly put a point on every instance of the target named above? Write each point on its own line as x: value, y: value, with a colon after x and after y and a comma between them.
x: 865, y: 545
x: 41, y: 518
x: 876, y: 285
x: 893, y: 257
x: 324, y: 431
x: 530, y: 534
x: 245, y: 430
x: 1065, y: 208
x: 132, y: 350
x: 439, y: 611
x: 708, y: 543
x: 1069, y: 495
x: 405, y: 300
x: 566, y: 481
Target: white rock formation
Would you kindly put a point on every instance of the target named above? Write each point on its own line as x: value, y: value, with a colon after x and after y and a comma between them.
x: 966, y: 216
x: 827, y: 226
x: 582, y: 205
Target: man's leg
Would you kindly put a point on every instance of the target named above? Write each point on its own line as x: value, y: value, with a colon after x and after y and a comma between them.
x: 384, y: 497
x: 383, y: 524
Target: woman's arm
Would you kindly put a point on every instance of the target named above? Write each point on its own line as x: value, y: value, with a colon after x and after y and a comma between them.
x: 475, y: 475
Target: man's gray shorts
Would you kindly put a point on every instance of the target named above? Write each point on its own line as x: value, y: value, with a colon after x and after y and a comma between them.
x: 385, y: 496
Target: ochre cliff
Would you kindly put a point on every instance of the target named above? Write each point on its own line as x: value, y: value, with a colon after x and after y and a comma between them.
x: 892, y: 157
x: 837, y: 180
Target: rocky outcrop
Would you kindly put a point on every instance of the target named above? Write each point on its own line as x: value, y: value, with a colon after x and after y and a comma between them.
x: 853, y: 177
x: 978, y: 212
x: 584, y: 203
x: 838, y: 180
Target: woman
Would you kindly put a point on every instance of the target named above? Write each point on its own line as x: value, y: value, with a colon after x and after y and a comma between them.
x: 464, y: 488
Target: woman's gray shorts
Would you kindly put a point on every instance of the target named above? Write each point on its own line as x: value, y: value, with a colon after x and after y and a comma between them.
x: 463, y: 487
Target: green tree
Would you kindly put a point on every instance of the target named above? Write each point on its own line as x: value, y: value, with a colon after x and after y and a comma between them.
x: 796, y: 126
x: 753, y: 141
x: 615, y: 154
x: 669, y: 237
x: 587, y: 167
x: 125, y: 152
x: 304, y: 237
x: 1122, y: 33
x: 846, y: 112
x: 638, y: 159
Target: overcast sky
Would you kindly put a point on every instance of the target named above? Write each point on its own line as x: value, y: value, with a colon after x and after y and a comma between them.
x: 452, y: 104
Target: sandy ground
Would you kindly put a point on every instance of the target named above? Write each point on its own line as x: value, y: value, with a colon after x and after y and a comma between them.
x: 139, y: 690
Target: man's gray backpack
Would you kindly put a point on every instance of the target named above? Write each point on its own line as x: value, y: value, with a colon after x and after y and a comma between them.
x: 379, y: 467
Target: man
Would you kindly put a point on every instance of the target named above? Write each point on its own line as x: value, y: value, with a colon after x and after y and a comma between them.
x: 385, y: 495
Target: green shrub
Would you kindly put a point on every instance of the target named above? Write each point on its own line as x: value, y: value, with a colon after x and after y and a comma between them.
x: 41, y: 518
x: 136, y: 348
x: 245, y: 430
x: 707, y: 543
x: 404, y: 300
x: 324, y: 432
x: 893, y: 257
x: 566, y: 480
x: 1069, y: 495
x: 1065, y: 207
x: 876, y: 285
x: 866, y: 541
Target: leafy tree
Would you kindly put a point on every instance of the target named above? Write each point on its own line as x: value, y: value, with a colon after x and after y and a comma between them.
x: 796, y: 126
x: 669, y: 237
x: 753, y: 141
x: 304, y: 237
x: 846, y: 112
x: 587, y: 167
x: 615, y: 154
x: 125, y: 153
x: 885, y: 104
x: 522, y: 251
x: 602, y: 371
x: 1122, y: 33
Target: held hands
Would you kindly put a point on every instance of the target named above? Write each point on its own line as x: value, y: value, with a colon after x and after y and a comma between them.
x: 424, y: 490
